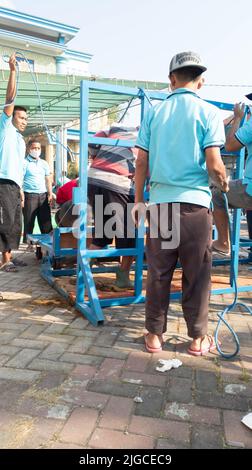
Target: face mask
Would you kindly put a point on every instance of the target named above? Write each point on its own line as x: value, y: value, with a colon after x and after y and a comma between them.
x: 35, y: 153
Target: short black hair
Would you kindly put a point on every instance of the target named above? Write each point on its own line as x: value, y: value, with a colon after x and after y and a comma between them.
x: 19, y: 108
x: 33, y: 141
x: 188, y: 73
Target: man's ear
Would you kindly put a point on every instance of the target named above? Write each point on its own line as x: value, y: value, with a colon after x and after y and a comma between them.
x: 172, y: 80
x: 200, y: 83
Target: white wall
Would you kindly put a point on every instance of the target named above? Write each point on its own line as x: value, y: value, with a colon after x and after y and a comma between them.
x: 42, y: 63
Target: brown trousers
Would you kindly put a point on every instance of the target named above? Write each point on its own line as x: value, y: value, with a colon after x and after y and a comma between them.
x: 194, y: 253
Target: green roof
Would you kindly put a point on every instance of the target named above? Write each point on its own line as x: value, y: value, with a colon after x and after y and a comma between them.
x: 60, y: 96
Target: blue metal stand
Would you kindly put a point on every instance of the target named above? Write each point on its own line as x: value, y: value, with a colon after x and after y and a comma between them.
x: 92, y: 308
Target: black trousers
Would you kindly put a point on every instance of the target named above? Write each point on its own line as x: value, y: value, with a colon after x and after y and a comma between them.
x: 194, y: 252
x: 10, y: 215
x: 36, y: 205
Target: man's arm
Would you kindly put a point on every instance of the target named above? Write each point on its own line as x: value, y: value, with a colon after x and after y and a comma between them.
x: 48, y: 180
x: 142, y: 163
x: 232, y: 143
x: 11, y: 87
x: 141, y: 174
x: 216, y: 168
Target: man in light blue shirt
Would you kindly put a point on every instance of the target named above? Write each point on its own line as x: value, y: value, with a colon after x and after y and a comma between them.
x: 13, y: 122
x: 37, y: 187
x: 240, y: 191
x: 179, y: 144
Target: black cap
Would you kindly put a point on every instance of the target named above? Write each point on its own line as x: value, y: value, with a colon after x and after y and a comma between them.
x: 249, y: 96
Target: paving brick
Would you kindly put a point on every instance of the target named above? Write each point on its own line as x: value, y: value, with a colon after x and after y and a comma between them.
x: 18, y: 374
x: 28, y: 343
x: 80, y: 323
x: 23, y: 358
x: 204, y: 437
x: 206, y: 380
x: 243, y: 389
x: 3, y: 359
x: 58, y: 411
x: 45, y: 364
x: 64, y: 445
x: 11, y: 392
x: 117, y: 413
x: 55, y: 328
x: 32, y: 406
x: 231, y: 371
x: 183, y: 372
x: 81, y: 359
x: 152, y: 405
x: 169, y: 444
x: 180, y: 390
x: 107, y: 352
x: 127, y: 346
x: 42, y: 433
x: 12, y: 436
x: 54, y: 351
x: 12, y: 326
x: 109, y: 439
x: 236, y: 433
x: 108, y: 338
x: 9, y: 350
x: 144, y: 379
x: 80, y: 345
x: 83, y: 372
x: 83, y: 333
x: 51, y: 380
x: 113, y: 388
x: 178, y: 432
x: 138, y: 361
x: 222, y: 401
x: 55, y: 338
x: 192, y: 413
x: 79, y: 426
x: 246, y: 362
x: 110, y: 369
x: 81, y: 397
x: 33, y: 331
x: 6, y: 337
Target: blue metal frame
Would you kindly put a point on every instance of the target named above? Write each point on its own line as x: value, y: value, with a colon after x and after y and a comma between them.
x: 92, y: 308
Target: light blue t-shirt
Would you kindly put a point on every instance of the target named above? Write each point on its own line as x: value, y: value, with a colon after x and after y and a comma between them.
x: 244, y: 135
x: 176, y: 133
x: 12, y: 151
x: 35, y: 172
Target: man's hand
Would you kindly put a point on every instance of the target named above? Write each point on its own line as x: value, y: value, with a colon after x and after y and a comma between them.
x: 50, y: 199
x: 239, y: 110
x: 12, y: 63
x: 225, y: 187
x: 138, y: 213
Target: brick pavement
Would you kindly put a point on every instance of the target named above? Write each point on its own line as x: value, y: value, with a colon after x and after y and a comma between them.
x: 66, y: 384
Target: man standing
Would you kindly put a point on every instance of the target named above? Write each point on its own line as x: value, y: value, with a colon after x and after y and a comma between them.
x: 13, y: 121
x: 180, y: 141
x: 37, y: 190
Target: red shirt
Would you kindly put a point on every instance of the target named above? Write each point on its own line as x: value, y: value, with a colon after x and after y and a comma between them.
x: 65, y: 192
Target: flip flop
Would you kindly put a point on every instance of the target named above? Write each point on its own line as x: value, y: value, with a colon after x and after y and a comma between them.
x: 149, y: 348
x: 202, y: 351
x: 9, y: 268
x: 19, y: 262
x: 220, y: 252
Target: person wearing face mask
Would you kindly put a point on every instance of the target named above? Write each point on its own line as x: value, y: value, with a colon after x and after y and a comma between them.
x: 13, y: 122
x: 37, y: 187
